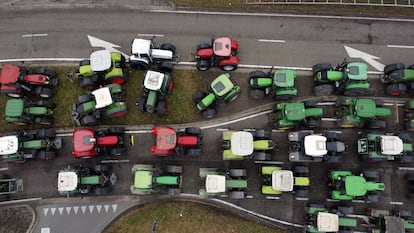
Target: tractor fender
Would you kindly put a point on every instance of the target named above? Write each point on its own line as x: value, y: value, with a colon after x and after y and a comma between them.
x: 234, y: 45
x: 206, y: 102
x: 383, y: 112
x: 232, y: 60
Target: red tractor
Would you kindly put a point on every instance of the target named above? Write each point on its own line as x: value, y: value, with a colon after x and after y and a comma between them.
x: 88, y: 143
x: 222, y: 52
x: 17, y: 81
x: 169, y: 141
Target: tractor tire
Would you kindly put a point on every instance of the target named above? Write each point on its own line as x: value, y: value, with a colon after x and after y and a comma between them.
x: 322, y: 90
x: 84, y: 62
x: 377, y: 124
x: 233, y: 96
x: 45, y: 92
x: 310, y: 103
x: 173, y: 169
x: 333, y: 135
x: 173, y: 191
x: 139, y: 65
x: 203, y: 65
x: 370, y: 174
x: 301, y: 193
x: 209, y: 113
x: 192, y: 131
x: 46, y: 133
x: 285, y: 97
x: 410, y: 177
x: 411, y: 67
x: 84, y: 99
x: 262, y: 156
x: 203, y: 46
x: 396, y: 89
x: 116, y: 130
x: 170, y: 84
x: 406, y: 159
x: 117, y: 151
x: 44, y: 121
x: 238, y: 173
x: 98, y: 168
x: 88, y: 84
x: 165, y: 66
x: 193, y: 152
x: 301, y: 170
x: 50, y: 73
x: 198, y: 96
x: 45, y: 155
x: 257, y: 74
x: 356, y: 92
x: 228, y: 67
x: 46, y: 104
x: 321, y: 67
x: 257, y: 94
x: 168, y: 46
x: 345, y: 210
x: 388, y: 69
x: 311, y: 123
x: 118, y: 79
x: 161, y: 108
x: 237, y: 195
x: 141, y: 104
x: 13, y: 94
x: 88, y: 120
x: 102, y: 190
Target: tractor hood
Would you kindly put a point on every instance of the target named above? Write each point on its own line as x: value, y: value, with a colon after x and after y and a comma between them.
x: 153, y: 80
x: 241, y: 143
x: 328, y: 222
x: 282, y: 180
x: 67, y: 181
x: 103, y: 97
x: 9, y: 145
x: 391, y: 145
x: 315, y: 145
x: 215, y: 184
x: 100, y: 60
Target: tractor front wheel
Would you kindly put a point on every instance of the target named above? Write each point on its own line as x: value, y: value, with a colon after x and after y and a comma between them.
x: 139, y: 65
x: 209, y: 113
x: 203, y: 65
x: 228, y: 67
x: 257, y: 74
x: 321, y: 67
x: 161, y: 108
x: 102, y: 168
x: 168, y: 46
x: 233, y: 96
x: 257, y: 94
x: 117, y: 151
x: 141, y: 104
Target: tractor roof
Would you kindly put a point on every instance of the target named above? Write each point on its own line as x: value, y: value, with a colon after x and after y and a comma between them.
x: 9, y: 145
x: 103, y: 97
x: 295, y: 111
x: 357, y: 71
x: 315, y: 145
x: 355, y: 185
x: 67, y: 181
x: 241, y: 143
x: 215, y: 183
x: 222, y: 46
x: 83, y: 140
x: 328, y: 222
x: 391, y: 145
x: 14, y: 107
x: 282, y: 180
x: 143, y: 179
x: 284, y: 78
x: 153, y: 80
x: 222, y: 84
x: 141, y: 46
x: 9, y: 74
x: 365, y: 108
x: 166, y: 138
x: 100, y: 60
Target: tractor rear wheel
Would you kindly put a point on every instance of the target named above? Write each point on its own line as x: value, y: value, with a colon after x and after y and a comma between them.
x: 85, y: 98
x: 310, y: 103
x: 237, y: 173
x: 117, y: 151
x: 322, y: 90
x: 257, y: 74
x: 388, y: 69
x: 88, y: 120
x: 203, y: 46
x: 88, y: 84
x: 45, y: 155
x: 209, y: 113
x: 356, y: 91
x: 168, y: 46
x: 396, y: 89
x: 45, y: 92
x: 165, y: 66
x: 321, y: 67
x: 161, y: 108
x: 262, y: 156
x: 257, y: 94
x: 229, y: 67
x: 203, y: 65
x: 192, y: 131
x: 141, y: 104
x: 193, y: 152
x: 45, y: 121
x: 13, y: 94
x: 237, y: 195
x: 261, y: 134
x: 102, y: 168
x: 198, y: 96
x: 46, y: 133
x: 411, y: 67
x: 139, y: 65
x: 116, y: 130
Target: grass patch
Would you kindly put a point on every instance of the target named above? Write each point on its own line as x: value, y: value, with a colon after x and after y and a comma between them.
x: 184, y: 217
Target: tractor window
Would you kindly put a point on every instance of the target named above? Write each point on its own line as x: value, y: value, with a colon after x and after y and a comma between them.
x: 218, y: 46
x: 281, y: 77
x: 219, y: 87
x: 353, y: 70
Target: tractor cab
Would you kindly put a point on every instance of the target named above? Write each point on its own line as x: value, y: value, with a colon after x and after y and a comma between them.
x: 166, y: 138
x: 284, y: 78
x: 215, y: 184
x: 67, y: 181
x: 357, y: 71
x: 391, y: 145
x: 294, y: 111
x: 100, y: 60
x: 9, y: 145
x: 153, y: 80
x: 103, y: 97
x: 282, y: 180
x: 83, y: 143
x: 315, y: 145
x: 241, y: 143
x: 222, y: 47
x: 365, y: 108
x: 222, y: 85
x: 327, y: 222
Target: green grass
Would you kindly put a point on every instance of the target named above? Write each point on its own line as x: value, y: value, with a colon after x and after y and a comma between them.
x: 184, y: 217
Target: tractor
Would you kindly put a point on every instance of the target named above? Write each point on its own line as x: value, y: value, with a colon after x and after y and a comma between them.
x: 9, y: 186
x: 23, y: 112
x: 350, y: 79
x: 78, y: 180
x: 378, y: 146
x: 156, y: 87
x: 398, y: 80
x: 169, y: 141
x: 18, y: 81
x: 277, y: 181
x: 409, y: 178
x: 307, y: 146
x: 295, y: 114
x: 347, y: 186
x: 222, y: 89
x: 356, y: 112
x: 88, y: 143
x: 279, y: 84
x: 389, y: 221
x: 232, y: 183
x: 321, y: 219
x: 221, y: 52
x: 101, y: 104
x: 146, y: 54
x: 149, y: 179
x: 255, y: 144
x: 17, y: 146
x: 102, y: 68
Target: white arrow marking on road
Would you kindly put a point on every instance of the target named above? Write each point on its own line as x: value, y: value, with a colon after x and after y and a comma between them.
x: 370, y: 59
x: 60, y: 210
x: 76, y: 208
x: 96, y: 42
x: 83, y: 208
x: 106, y: 208
x: 91, y: 208
x: 98, y: 208
x: 45, y: 210
x: 53, y: 210
x: 68, y: 209
x: 114, y: 206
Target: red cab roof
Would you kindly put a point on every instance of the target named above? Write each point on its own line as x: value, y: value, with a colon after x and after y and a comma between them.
x: 222, y: 46
x: 83, y: 140
x: 9, y: 74
x: 166, y: 138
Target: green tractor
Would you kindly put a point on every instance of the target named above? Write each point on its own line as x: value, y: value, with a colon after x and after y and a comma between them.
x: 23, y: 112
x: 103, y: 67
x: 279, y: 84
x: 322, y: 220
x: 277, y: 181
x: 222, y: 89
x: 232, y: 183
x: 9, y: 186
x: 148, y: 179
x: 346, y: 186
x: 97, y: 180
x: 398, y: 80
x: 409, y: 115
x: 156, y: 87
x: 386, y: 221
x: 103, y: 103
x: 356, y: 112
x: 346, y: 78
x: 295, y: 114
x: 376, y: 147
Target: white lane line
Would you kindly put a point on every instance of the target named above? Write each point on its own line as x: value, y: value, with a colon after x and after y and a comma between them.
x: 150, y: 35
x: 40, y: 59
x: 4, y: 169
x: 271, y: 41
x: 35, y: 35
x: 400, y: 46
x: 396, y: 202
x: 236, y: 120
x: 406, y: 168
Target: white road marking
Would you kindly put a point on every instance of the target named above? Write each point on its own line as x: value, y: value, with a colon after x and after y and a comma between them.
x: 396, y: 203
x: 75, y: 209
x: 98, y: 208
x: 116, y: 161
x: 150, y: 35
x: 273, y: 198
x: 83, y: 208
x: 114, y: 206
x: 268, y: 162
x: 401, y: 46
x: 35, y: 35
x: 68, y: 209
x: 64, y: 134
x: 406, y: 168
x: 96, y: 42
x: 40, y: 59
x: 236, y: 120
x: 328, y: 119
x: 60, y: 209
x: 53, y: 210
x: 91, y: 207
x: 45, y: 211
x: 137, y: 131
x: 4, y: 169
x: 271, y: 41
x: 370, y: 59
x: 20, y: 200
x: 106, y: 207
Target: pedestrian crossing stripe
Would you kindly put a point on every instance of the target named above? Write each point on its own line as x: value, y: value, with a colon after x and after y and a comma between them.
x: 90, y: 209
